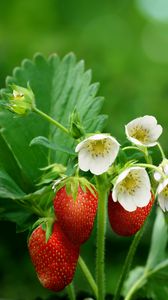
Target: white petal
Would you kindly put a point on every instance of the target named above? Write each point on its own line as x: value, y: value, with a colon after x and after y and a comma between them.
x: 99, y: 136
x: 90, y: 158
x: 95, y: 137
x: 162, y: 202
x: 115, y: 194
x: 122, y: 176
x: 134, y: 141
x: 113, y: 140
x: 126, y: 202
x: 80, y: 145
x: 165, y: 168
x: 99, y: 165
x: 142, y: 197
x: 161, y: 186
x: 148, y: 122
x: 125, y: 173
x: 84, y: 160
x: 114, y: 149
x: 157, y: 176
x: 166, y: 205
x: 156, y: 132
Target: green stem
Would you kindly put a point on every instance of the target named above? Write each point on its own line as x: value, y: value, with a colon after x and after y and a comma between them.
x: 133, y: 148
x: 151, y: 167
x: 148, y: 158
x: 31, y: 208
x: 101, y: 229
x: 128, y: 263
x: 71, y: 292
x: 51, y: 120
x: 142, y: 149
x: 88, y: 276
x: 161, y: 151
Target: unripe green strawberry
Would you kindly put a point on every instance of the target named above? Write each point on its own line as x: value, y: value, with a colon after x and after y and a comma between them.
x: 55, y: 260
x: 127, y: 223
x: 76, y: 216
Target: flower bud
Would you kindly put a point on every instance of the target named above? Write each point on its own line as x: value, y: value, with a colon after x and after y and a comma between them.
x: 76, y: 127
x: 21, y: 101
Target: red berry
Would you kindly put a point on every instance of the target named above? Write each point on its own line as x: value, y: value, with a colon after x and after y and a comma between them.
x: 127, y: 223
x: 55, y: 260
x: 76, y: 217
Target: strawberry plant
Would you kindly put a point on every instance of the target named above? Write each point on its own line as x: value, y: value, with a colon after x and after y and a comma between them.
x: 60, y: 176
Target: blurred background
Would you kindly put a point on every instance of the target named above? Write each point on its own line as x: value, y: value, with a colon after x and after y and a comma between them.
x: 125, y: 43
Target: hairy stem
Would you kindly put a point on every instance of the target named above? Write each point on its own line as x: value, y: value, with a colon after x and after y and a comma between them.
x: 51, y: 120
x: 128, y: 262
x: 101, y: 228
x: 88, y: 276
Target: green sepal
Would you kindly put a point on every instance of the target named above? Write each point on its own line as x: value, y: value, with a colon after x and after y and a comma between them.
x: 76, y: 128
x: 47, y: 226
x: 51, y: 172
x: 72, y: 184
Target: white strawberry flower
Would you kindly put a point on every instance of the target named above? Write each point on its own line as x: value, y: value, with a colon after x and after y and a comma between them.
x: 143, y: 131
x: 163, y: 168
x: 97, y: 152
x: 162, y: 192
x: 132, y: 188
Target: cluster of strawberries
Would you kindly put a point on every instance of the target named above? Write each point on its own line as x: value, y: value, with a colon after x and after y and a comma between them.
x: 55, y: 260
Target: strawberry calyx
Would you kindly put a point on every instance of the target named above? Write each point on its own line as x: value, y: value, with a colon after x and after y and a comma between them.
x: 47, y: 225
x: 72, y: 184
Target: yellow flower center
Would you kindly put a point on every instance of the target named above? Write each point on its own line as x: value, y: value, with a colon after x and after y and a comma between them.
x: 140, y: 133
x: 130, y: 183
x: 99, y: 147
x: 165, y: 192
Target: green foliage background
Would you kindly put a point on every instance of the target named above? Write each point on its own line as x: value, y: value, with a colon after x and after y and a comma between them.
x: 126, y: 50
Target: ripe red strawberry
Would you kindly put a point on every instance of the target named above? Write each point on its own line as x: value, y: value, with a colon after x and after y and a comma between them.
x: 55, y: 260
x: 76, y: 217
x: 127, y: 223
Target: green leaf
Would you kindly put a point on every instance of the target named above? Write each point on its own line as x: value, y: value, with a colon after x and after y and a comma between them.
x: 152, y: 283
x: 156, y: 291
x: 8, y: 187
x: 40, y: 200
x: 9, y: 163
x: 133, y: 277
x: 59, y: 85
x: 21, y: 208
x: 51, y: 173
x: 152, y: 279
x: 10, y: 197
x: 156, y: 287
x: 43, y: 141
x: 13, y: 212
x: 159, y: 241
